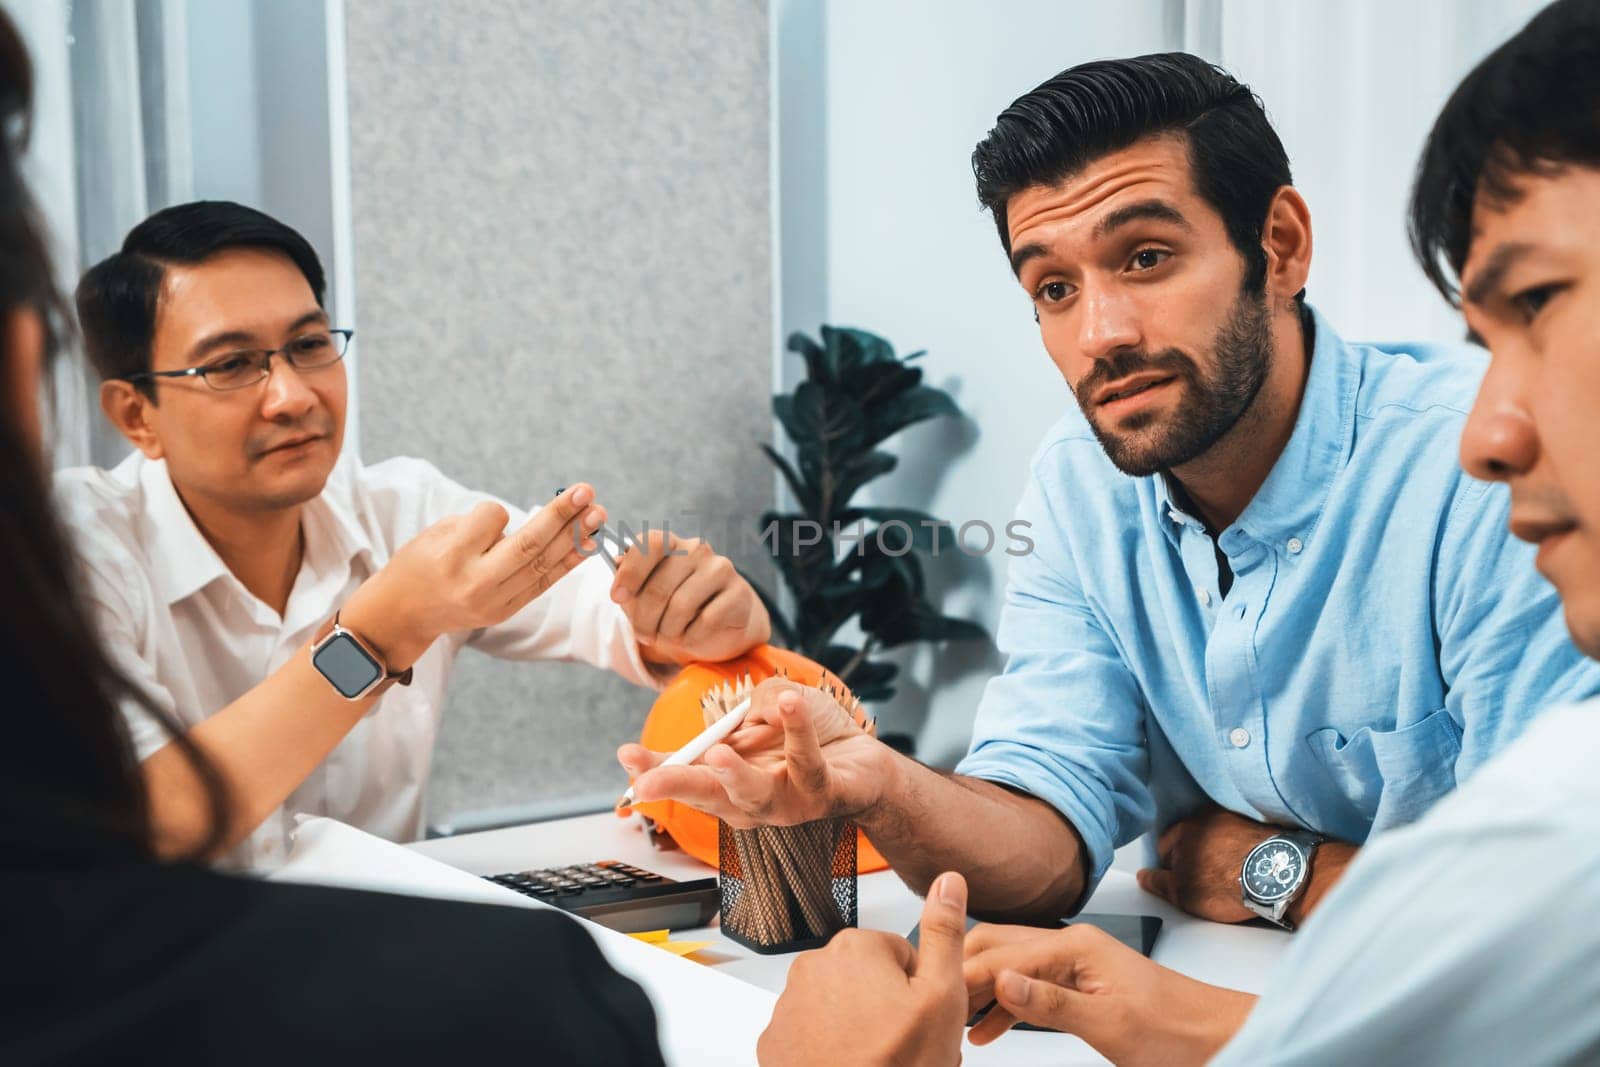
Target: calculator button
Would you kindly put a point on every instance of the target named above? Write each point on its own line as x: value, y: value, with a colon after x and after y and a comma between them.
x: 542, y: 890
x: 568, y: 890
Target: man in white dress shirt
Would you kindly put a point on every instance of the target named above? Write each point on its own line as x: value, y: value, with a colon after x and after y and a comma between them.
x: 219, y: 553
x: 1469, y: 937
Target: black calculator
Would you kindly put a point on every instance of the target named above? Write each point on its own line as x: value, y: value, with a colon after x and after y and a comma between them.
x: 619, y: 895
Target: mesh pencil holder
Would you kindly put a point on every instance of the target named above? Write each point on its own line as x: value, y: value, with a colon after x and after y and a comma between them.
x: 787, y: 888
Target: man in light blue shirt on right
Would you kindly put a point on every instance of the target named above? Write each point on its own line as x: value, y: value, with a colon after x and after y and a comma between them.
x: 1469, y: 937
x: 1265, y: 607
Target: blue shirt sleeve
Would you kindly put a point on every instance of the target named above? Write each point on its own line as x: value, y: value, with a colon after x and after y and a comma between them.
x: 1065, y: 720
x: 1504, y: 651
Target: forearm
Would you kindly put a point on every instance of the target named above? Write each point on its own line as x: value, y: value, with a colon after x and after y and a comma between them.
x: 1021, y: 859
x: 267, y: 742
x: 264, y: 745
x: 1326, y: 869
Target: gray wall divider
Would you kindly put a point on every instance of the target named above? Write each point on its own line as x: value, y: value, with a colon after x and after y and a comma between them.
x: 562, y: 254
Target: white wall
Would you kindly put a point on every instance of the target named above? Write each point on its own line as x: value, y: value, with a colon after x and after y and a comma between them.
x: 908, y: 88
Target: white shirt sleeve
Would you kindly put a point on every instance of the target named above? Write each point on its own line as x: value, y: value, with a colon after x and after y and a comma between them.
x: 117, y: 619
x: 1468, y: 938
x: 575, y: 619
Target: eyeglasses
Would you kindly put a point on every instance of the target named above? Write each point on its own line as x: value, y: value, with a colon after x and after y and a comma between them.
x: 245, y: 367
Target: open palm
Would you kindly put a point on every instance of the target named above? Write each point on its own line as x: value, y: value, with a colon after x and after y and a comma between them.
x: 798, y: 756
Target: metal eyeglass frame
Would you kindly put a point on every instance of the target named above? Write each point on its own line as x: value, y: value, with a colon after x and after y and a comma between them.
x: 263, y: 363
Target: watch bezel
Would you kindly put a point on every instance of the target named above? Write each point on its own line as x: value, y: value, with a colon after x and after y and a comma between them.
x: 339, y: 633
x: 1289, y: 890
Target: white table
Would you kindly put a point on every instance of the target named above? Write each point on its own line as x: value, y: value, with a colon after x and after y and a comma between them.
x: 1238, y: 957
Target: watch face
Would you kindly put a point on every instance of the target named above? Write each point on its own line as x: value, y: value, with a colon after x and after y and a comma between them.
x: 344, y: 663
x: 1273, y: 870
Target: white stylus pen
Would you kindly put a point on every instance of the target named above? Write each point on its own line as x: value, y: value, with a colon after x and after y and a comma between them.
x: 702, y: 744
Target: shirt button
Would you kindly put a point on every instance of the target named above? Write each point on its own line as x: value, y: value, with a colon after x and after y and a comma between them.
x: 1294, y: 546
x: 1205, y: 597
x: 1238, y: 612
x: 1240, y: 737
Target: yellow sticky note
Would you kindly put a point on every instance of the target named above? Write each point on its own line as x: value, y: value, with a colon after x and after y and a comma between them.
x: 662, y: 939
x: 682, y: 948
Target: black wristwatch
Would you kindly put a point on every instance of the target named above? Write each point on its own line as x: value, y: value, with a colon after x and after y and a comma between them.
x: 353, y: 667
x: 1276, y: 873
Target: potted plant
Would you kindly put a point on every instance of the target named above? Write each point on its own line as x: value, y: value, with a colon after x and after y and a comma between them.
x: 841, y: 560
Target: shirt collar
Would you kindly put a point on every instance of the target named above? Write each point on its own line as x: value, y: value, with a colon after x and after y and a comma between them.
x: 334, y: 534
x: 182, y: 561
x: 1290, y: 501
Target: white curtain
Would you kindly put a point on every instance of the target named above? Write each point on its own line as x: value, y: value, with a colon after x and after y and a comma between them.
x: 1353, y: 88
x: 110, y: 144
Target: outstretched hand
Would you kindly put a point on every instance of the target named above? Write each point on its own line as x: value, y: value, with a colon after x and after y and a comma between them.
x: 1081, y: 980
x: 798, y: 756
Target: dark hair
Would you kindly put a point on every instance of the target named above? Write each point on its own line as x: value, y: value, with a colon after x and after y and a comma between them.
x: 118, y: 297
x: 1531, y: 106
x: 69, y: 783
x: 1097, y: 108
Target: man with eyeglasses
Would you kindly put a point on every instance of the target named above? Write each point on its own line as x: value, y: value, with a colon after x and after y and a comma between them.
x: 299, y: 613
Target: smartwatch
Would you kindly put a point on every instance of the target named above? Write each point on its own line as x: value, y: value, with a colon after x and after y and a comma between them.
x: 1276, y: 872
x: 350, y: 665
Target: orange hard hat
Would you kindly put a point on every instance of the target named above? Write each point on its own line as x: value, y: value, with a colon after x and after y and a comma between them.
x: 676, y: 719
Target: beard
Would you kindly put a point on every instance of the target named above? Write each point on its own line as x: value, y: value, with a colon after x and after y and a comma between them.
x: 1210, y: 405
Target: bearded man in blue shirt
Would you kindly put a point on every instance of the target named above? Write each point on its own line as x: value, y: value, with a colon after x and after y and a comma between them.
x: 1265, y: 603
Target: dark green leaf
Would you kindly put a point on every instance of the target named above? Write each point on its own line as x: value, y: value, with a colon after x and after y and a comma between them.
x: 818, y: 366
x: 908, y: 408
x: 848, y: 348
x: 901, y: 569
x: 857, y: 471
x: 803, y: 493
x: 805, y: 566
x: 918, y: 621
x: 826, y: 416
x: 835, y: 657
x: 875, y: 383
x: 821, y: 619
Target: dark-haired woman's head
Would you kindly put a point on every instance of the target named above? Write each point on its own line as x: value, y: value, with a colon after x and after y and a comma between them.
x: 1505, y: 218
x: 69, y: 785
x: 1146, y: 208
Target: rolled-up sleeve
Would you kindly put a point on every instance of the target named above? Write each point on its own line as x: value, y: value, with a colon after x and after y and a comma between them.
x: 1065, y: 721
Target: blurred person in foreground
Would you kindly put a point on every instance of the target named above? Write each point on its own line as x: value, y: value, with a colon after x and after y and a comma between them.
x: 112, y: 956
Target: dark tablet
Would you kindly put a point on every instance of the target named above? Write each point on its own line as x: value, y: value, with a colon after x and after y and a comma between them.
x: 1138, y: 932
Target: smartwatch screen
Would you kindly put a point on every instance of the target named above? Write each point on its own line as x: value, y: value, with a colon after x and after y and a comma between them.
x: 350, y: 669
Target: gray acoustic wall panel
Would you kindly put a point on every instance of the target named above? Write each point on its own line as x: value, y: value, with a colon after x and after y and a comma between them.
x: 563, y: 272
